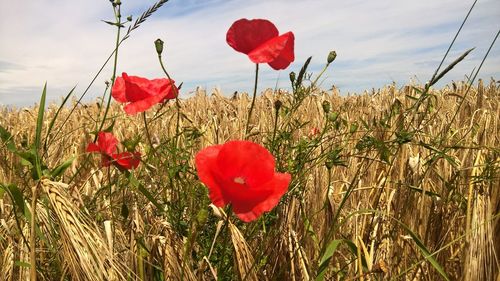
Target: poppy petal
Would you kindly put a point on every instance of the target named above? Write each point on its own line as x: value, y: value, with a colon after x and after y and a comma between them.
x: 127, y: 160
x: 247, y: 160
x: 205, y: 164
x: 136, y: 88
x: 118, y: 89
x: 142, y: 105
x: 163, y: 91
x: 92, y: 147
x: 286, y: 56
x: 140, y: 93
x: 272, y: 49
x: 278, y: 185
x: 106, y: 142
x: 245, y: 35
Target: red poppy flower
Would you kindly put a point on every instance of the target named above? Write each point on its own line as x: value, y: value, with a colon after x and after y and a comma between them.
x: 260, y: 40
x: 140, y: 94
x: 241, y: 173
x: 106, y: 146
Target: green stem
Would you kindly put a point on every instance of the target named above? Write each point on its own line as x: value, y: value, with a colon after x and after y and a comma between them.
x: 115, y: 63
x: 275, y: 129
x: 319, y: 75
x: 33, y: 233
x: 148, y: 135
x: 253, y: 99
x: 329, y: 187
x: 177, y: 104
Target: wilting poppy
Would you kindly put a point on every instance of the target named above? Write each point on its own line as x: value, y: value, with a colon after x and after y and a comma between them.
x: 140, y: 94
x: 106, y: 146
x: 241, y: 173
x: 260, y: 40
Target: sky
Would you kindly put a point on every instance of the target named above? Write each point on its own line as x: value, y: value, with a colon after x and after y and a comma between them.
x: 64, y: 43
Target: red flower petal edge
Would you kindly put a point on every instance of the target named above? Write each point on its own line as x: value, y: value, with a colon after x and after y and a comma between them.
x: 127, y: 160
x: 258, y: 38
x: 106, y: 146
x: 139, y: 94
x: 241, y: 173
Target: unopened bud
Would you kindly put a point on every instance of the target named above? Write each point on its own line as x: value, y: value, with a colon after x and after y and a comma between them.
x: 129, y: 18
x: 159, y: 46
x: 292, y: 77
x: 332, y: 117
x: 326, y: 106
x: 277, y: 105
x: 331, y: 57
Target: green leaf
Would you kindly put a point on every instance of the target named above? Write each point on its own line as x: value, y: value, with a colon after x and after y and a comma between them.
x: 38, y: 133
x: 113, y: 23
x: 354, y: 127
x: 325, y: 259
x: 135, y: 183
x: 425, y: 252
x: 28, y: 157
x: 22, y: 264
x: 57, y: 171
x: 7, y: 140
x: 426, y: 192
x: 15, y: 194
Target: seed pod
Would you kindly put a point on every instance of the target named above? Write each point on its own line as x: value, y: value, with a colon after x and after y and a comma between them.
x: 292, y: 77
x: 326, y: 106
x: 159, y: 46
x: 331, y: 57
x: 277, y: 105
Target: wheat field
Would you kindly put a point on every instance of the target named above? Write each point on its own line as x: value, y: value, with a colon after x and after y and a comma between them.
x: 391, y: 186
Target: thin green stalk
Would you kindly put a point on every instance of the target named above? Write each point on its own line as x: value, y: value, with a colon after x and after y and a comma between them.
x: 115, y: 63
x: 111, y: 205
x: 329, y: 186
x: 319, y: 75
x: 275, y: 128
x: 148, y: 135
x: 253, y: 99
x: 33, y: 233
x: 177, y: 104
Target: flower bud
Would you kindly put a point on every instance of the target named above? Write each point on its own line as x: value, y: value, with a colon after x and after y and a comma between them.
x: 292, y: 77
x: 332, y: 117
x: 331, y: 57
x: 159, y: 46
x: 277, y: 105
x: 129, y: 18
x: 326, y: 106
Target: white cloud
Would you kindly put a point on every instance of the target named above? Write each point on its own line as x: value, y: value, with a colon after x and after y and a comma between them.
x: 64, y: 42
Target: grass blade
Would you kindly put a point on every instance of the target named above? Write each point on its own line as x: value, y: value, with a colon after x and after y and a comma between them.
x: 38, y: 133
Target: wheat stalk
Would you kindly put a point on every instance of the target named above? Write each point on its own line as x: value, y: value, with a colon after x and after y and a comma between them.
x: 84, y: 249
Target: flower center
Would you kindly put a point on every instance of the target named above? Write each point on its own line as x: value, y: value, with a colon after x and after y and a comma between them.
x: 239, y: 180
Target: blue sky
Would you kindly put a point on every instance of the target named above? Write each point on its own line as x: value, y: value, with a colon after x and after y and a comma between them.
x: 378, y: 42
